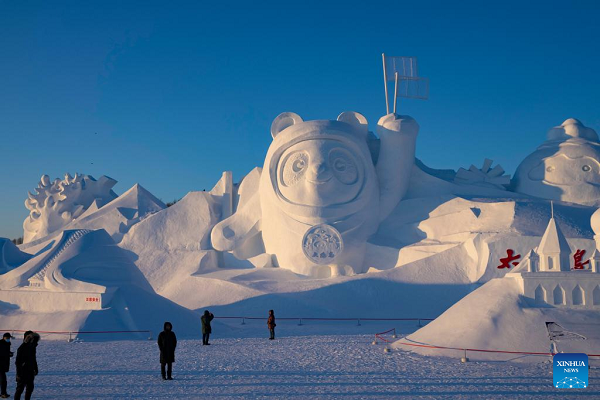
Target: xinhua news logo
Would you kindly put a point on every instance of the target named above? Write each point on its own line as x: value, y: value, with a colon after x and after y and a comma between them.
x: 570, y: 371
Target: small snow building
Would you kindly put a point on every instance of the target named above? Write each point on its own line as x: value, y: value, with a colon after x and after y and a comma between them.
x: 553, y: 274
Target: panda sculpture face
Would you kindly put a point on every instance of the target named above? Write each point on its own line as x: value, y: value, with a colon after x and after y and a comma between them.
x: 320, y: 173
x: 562, y: 170
x: 565, y: 167
x: 318, y: 198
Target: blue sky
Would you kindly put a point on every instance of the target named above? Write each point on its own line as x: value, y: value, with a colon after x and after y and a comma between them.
x: 170, y: 94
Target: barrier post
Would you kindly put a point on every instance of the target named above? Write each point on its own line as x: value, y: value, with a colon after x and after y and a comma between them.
x: 243, y: 321
x: 394, y: 335
x: 70, y: 338
x: 358, y: 322
x: 419, y: 324
x: 464, y: 359
x: 149, y: 335
x: 300, y: 323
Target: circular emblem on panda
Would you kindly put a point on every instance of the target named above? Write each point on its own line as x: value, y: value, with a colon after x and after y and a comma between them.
x: 322, y: 244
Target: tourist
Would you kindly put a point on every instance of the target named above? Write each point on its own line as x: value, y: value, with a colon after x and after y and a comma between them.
x: 206, y: 328
x: 271, y: 324
x: 27, y: 367
x: 167, y: 341
x: 5, y: 355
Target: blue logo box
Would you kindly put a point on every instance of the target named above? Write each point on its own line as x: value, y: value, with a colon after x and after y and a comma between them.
x: 570, y: 371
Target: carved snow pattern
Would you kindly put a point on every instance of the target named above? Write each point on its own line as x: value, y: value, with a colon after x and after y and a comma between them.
x: 486, y: 176
x: 56, y: 203
x: 322, y: 244
x: 37, y: 279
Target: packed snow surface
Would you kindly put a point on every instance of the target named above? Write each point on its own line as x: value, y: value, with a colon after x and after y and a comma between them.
x: 302, y: 367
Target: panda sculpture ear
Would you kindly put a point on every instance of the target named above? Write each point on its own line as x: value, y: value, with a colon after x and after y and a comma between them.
x: 284, y: 120
x: 355, y: 119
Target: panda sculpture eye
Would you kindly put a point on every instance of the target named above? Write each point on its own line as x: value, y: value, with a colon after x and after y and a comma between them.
x: 294, y: 168
x: 586, y: 168
x: 343, y: 165
x: 550, y: 169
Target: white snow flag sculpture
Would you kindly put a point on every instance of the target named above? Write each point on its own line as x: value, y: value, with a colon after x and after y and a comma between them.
x: 404, y: 73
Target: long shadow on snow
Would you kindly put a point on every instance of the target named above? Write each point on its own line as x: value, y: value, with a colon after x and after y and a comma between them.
x: 363, y: 298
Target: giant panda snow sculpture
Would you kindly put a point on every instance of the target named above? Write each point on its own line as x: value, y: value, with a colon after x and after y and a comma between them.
x: 320, y: 195
x: 565, y: 167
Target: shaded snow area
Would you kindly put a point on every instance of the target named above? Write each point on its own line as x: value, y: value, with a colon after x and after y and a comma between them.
x: 324, y: 367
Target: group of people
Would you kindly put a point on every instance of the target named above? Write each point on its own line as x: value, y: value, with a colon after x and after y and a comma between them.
x: 26, y: 360
x: 26, y: 363
x: 167, y: 341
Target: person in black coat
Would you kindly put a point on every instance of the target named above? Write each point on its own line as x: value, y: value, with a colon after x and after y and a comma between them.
x: 5, y: 355
x: 27, y: 367
x: 206, y: 328
x: 167, y: 342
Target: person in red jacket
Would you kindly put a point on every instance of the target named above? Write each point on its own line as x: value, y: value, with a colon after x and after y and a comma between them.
x: 271, y: 324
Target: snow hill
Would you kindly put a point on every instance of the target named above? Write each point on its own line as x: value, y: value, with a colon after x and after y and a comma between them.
x: 497, y: 317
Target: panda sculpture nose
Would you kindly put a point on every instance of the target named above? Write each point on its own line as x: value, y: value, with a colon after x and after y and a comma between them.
x: 320, y: 172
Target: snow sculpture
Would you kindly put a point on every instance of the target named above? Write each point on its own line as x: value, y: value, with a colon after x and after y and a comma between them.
x: 565, y: 167
x: 486, y: 176
x: 57, y: 203
x: 320, y: 194
x: 545, y: 275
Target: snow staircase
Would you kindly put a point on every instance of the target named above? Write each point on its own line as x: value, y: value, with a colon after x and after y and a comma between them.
x: 37, y: 280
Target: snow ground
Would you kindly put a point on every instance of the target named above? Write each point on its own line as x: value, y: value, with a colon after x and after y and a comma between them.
x: 316, y: 366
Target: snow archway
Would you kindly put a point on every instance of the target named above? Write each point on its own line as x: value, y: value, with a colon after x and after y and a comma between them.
x: 540, y: 295
x: 578, y: 296
x: 559, y: 295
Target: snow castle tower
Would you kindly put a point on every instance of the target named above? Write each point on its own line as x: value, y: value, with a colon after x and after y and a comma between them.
x: 554, y: 252
x: 546, y: 277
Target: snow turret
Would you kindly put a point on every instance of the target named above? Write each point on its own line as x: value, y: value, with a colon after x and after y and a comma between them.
x: 554, y: 250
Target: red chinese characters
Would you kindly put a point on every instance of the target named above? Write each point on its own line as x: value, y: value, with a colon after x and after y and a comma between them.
x: 92, y: 299
x: 511, y: 258
x: 578, y: 257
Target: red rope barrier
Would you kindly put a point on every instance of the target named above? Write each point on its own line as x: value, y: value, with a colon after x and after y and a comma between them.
x: 378, y: 335
x: 485, y: 350
x: 72, y: 332
x: 332, y: 319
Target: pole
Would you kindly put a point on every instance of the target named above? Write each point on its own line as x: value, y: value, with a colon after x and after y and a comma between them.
x: 395, y: 90
x: 387, y: 105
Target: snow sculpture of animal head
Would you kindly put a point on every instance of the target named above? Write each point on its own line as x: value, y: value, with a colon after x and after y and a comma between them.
x: 566, y: 167
x: 57, y: 203
x: 320, y: 194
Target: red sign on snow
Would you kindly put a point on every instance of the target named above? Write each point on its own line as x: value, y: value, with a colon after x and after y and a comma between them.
x: 578, y: 256
x: 509, y: 259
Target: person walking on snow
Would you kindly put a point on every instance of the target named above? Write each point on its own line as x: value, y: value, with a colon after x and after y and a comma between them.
x: 206, y: 328
x: 27, y: 367
x: 5, y: 355
x: 167, y: 342
x: 271, y: 324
